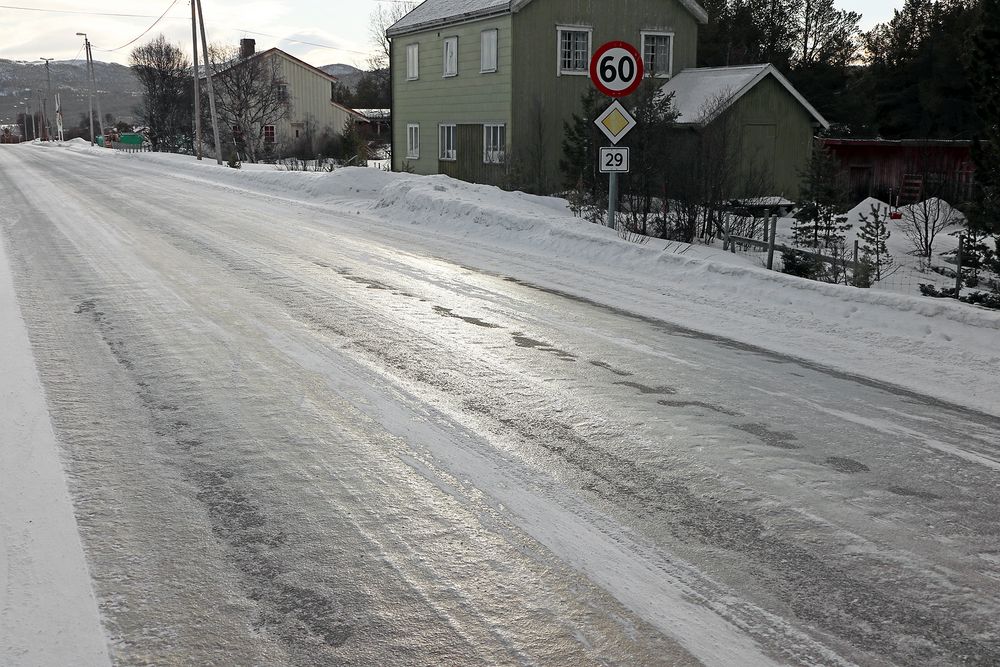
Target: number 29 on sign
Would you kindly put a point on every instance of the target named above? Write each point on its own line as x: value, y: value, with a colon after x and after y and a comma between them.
x: 614, y: 160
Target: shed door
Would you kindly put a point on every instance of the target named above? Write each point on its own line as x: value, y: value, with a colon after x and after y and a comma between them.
x: 758, y: 157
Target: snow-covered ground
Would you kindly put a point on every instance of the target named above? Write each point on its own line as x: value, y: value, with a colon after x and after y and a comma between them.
x: 908, y: 271
x: 48, y: 615
x: 316, y: 416
x: 932, y: 346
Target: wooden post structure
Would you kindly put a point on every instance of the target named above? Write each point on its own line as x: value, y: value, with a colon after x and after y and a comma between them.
x: 854, y: 270
x: 770, y: 242
x: 208, y: 81
x: 612, y: 200
x: 197, y: 87
x: 958, y: 266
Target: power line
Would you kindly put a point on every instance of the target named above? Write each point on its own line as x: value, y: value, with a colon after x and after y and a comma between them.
x: 160, y: 18
x: 183, y: 18
x: 299, y: 41
x: 69, y: 11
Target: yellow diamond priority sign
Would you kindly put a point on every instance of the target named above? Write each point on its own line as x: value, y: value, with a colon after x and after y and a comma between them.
x: 615, y: 122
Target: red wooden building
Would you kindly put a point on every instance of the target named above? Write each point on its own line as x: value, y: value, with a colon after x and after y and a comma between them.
x: 905, y: 171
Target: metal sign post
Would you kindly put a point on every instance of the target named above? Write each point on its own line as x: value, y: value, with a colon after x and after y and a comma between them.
x: 616, y: 70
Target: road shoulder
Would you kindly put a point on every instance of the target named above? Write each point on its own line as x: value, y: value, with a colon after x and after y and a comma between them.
x: 48, y: 612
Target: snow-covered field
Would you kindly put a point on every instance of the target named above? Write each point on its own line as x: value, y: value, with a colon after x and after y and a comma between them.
x: 932, y: 346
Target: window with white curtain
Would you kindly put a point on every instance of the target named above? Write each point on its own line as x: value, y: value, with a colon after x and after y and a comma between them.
x: 488, y: 44
x: 494, y: 143
x: 657, y: 52
x: 574, y: 50
x: 412, y: 61
x: 450, y: 56
x: 413, y: 141
x: 446, y: 143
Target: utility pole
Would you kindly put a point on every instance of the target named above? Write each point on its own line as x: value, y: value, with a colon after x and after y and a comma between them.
x: 211, y: 88
x: 46, y: 121
x: 197, y: 88
x: 97, y: 98
x: 86, y: 44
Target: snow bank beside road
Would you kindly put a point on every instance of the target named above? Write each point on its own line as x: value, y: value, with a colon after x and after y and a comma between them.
x: 932, y: 346
x: 48, y: 613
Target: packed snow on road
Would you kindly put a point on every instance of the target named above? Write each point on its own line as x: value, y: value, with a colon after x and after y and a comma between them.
x: 261, y: 417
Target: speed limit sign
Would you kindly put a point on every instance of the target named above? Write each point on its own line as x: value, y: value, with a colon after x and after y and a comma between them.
x: 616, y: 69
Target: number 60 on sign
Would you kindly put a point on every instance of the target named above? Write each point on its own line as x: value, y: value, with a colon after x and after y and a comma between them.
x: 614, y: 160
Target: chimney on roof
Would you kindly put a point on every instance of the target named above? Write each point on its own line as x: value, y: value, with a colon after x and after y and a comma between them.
x: 247, y: 47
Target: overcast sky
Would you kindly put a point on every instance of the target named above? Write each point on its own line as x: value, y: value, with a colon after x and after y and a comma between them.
x: 341, y: 27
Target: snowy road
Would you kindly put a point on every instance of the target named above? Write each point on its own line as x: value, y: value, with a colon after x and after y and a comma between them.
x: 295, y: 437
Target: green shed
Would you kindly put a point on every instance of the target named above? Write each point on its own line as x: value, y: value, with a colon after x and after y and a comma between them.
x: 766, y: 125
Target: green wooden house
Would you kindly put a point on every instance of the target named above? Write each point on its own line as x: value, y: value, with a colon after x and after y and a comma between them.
x: 481, y: 87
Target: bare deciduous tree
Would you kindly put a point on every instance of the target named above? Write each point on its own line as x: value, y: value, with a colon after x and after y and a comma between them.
x: 924, y: 220
x: 829, y: 35
x: 251, y: 94
x: 382, y: 19
x: 164, y: 73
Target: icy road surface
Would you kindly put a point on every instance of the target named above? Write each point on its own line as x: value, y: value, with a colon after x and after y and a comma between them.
x: 295, y: 438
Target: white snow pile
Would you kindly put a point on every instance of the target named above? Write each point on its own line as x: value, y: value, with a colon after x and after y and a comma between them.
x: 865, y: 208
x: 933, y: 346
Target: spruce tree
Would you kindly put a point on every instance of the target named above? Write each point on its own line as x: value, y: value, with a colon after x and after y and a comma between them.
x: 873, y: 235
x: 817, y: 223
x: 983, y: 64
x: 581, y: 145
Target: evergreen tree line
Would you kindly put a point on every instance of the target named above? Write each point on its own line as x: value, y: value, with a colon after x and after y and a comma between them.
x: 905, y: 78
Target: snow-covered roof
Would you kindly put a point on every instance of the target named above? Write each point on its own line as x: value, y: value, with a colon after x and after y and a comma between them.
x: 701, y: 94
x: 432, y: 13
x: 375, y: 114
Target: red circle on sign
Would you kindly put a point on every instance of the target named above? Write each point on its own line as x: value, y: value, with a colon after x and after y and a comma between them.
x: 611, y: 66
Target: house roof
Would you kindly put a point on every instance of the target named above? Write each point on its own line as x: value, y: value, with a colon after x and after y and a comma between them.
x: 901, y: 143
x: 433, y: 13
x: 701, y: 94
x: 315, y: 70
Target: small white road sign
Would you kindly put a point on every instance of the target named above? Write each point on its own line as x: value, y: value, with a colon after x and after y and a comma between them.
x: 615, y: 122
x: 614, y: 160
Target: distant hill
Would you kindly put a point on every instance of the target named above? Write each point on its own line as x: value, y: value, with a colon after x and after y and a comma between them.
x: 118, y: 89
x: 347, y: 74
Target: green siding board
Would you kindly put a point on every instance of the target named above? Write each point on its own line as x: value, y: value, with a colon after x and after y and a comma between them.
x: 770, y: 104
x: 469, y: 165
x: 543, y: 100
x: 433, y: 99
x: 528, y: 95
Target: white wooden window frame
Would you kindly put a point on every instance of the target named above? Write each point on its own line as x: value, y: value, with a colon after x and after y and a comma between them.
x: 444, y: 56
x: 658, y: 33
x: 498, y: 154
x: 444, y: 153
x: 412, y: 62
x: 489, y: 50
x: 560, y: 30
x: 413, y: 141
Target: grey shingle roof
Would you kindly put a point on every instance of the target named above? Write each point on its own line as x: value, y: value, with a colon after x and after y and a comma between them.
x: 440, y: 12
